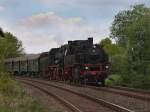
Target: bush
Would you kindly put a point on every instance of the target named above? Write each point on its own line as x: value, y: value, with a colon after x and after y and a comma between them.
x: 14, y: 99
x: 118, y: 64
x: 8, y: 86
x: 136, y: 80
x: 148, y: 70
x: 114, y: 80
x: 146, y: 83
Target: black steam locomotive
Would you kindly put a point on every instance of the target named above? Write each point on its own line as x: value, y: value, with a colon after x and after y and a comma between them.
x: 79, y: 61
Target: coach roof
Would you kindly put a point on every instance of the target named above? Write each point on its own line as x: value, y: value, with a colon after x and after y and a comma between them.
x: 24, y: 58
x: 33, y: 56
x: 9, y: 60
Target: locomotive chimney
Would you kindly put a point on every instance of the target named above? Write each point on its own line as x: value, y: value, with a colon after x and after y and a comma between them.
x: 69, y: 42
x: 90, y: 39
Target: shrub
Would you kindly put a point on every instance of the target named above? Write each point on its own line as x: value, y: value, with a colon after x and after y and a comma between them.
x: 8, y: 86
x: 148, y: 70
x: 136, y: 80
x: 14, y: 99
x: 114, y: 80
x: 146, y: 83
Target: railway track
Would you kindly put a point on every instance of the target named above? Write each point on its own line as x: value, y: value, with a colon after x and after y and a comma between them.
x: 63, y: 101
x: 133, y: 93
x: 131, y: 89
x: 76, y: 101
x: 130, y: 102
x: 129, y: 92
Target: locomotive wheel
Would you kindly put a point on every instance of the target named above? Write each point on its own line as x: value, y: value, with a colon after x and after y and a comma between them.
x: 70, y: 79
x: 103, y: 82
x: 76, y: 75
x: 80, y: 81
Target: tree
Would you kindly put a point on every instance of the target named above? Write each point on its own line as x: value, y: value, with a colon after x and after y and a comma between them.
x: 119, y: 29
x: 110, y: 48
x: 13, y: 46
x: 131, y: 30
x: 116, y: 55
x: 10, y: 47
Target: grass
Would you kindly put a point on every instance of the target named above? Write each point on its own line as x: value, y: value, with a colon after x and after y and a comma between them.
x: 113, y: 80
x: 13, y: 98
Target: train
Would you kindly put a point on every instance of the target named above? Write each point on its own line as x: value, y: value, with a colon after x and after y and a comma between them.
x: 78, y: 61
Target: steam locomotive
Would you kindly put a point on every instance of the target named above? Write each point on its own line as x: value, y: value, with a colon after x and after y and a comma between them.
x: 78, y: 61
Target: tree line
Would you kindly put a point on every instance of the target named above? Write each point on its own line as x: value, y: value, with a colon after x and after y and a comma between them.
x: 130, y: 51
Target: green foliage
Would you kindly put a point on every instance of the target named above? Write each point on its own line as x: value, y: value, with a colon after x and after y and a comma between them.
x: 114, y: 80
x: 131, y: 80
x: 130, y: 55
x: 148, y: 70
x: 10, y: 92
x: 131, y: 29
x: 8, y: 86
x: 110, y: 48
x: 119, y: 64
x: 135, y: 80
x: 10, y: 46
x: 117, y: 55
x: 14, y: 99
x: 105, y: 42
x: 125, y: 23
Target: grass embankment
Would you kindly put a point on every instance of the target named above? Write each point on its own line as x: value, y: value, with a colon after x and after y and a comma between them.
x: 132, y: 81
x: 14, y: 99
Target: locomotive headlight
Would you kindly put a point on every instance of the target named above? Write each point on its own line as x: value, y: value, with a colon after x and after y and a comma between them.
x: 107, y: 67
x: 86, y: 68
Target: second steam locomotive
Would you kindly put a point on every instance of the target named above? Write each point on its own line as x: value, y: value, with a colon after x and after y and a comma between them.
x: 78, y: 61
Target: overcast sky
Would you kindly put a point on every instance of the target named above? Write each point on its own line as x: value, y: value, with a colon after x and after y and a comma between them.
x: 43, y: 24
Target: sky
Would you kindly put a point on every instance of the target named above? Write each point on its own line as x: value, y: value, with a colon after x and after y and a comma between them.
x: 45, y: 24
